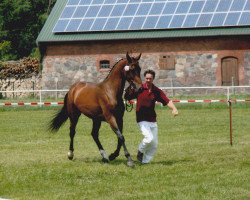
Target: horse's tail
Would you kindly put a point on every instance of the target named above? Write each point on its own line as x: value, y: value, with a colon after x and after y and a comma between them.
x: 60, y: 117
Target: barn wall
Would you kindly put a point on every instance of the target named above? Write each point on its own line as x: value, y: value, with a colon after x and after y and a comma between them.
x: 197, y: 62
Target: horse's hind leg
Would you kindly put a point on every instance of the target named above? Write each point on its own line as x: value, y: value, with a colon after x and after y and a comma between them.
x: 74, y: 116
x: 95, y: 135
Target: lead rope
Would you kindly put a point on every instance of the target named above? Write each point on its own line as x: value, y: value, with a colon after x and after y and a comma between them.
x: 129, y: 106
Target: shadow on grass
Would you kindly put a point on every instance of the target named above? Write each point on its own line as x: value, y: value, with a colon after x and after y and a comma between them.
x: 120, y: 161
x: 171, y: 162
x: 90, y: 160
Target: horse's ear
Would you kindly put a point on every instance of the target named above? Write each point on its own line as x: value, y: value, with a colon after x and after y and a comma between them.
x: 129, y: 59
x: 138, y: 57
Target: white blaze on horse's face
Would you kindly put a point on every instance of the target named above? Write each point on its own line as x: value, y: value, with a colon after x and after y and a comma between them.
x: 126, y: 68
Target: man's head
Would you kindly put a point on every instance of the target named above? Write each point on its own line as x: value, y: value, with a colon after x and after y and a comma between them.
x: 149, y: 76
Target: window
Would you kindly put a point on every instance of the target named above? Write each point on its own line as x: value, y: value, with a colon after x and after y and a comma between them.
x: 104, y: 64
x: 167, y: 62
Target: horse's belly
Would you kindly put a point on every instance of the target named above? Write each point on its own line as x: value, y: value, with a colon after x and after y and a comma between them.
x: 91, y: 111
x: 90, y: 100
x: 86, y: 101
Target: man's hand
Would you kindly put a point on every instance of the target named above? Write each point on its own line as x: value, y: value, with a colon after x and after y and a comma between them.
x: 174, y: 112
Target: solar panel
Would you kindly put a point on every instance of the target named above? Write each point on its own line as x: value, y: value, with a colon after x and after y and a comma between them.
x: 237, y: 5
x: 120, y: 15
x: 197, y: 6
x: 218, y: 19
x: 137, y: 23
x: 163, y: 22
x: 223, y: 5
x: 190, y: 21
x: 150, y: 22
x: 210, y: 6
x: 105, y: 10
x: 177, y: 21
x: 170, y: 8
x: 245, y: 18
x: 143, y: 9
x: 232, y: 19
x: 204, y: 20
x: 156, y: 9
x: 124, y: 23
x: 183, y: 7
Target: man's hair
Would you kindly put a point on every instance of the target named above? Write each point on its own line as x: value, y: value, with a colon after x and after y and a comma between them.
x: 150, y: 71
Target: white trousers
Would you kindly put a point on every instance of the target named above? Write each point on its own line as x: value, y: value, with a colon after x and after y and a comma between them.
x: 148, y: 145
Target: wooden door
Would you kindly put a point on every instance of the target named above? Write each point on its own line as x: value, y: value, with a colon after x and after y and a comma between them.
x: 229, y: 71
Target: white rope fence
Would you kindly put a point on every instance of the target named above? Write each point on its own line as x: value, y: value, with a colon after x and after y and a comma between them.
x: 227, y: 90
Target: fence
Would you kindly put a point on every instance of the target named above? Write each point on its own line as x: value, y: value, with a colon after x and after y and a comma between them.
x: 178, y: 94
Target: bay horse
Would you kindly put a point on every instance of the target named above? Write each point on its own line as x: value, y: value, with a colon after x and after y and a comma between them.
x: 100, y: 102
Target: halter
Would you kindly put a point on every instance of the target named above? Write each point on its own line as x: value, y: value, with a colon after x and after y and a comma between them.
x: 128, y: 103
x: 129, y: 106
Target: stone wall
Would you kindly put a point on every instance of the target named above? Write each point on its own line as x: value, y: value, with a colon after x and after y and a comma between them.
x: 61, y: 72
x: 246, y: 65
x: 197, y: 60
x: 66, y: 70
x: 10, y: 84
x: 190, y: 69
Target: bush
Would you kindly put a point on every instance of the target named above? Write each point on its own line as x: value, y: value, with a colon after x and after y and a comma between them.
x: 5, y: 48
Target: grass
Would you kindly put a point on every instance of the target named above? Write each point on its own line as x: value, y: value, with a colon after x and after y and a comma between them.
x: 194, y: 158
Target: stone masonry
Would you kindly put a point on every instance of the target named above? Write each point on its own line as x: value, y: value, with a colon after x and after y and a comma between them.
x: 197, y: 61
x: 190, y: 69
x: 10, y: 84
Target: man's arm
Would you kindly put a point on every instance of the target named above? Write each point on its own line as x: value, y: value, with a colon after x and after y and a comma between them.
x: 174, y: 109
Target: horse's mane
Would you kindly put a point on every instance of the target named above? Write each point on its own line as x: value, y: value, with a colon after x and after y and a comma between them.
x: 113, y: 68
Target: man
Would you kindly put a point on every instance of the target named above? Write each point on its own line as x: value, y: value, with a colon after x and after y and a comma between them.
x: 147, y: 95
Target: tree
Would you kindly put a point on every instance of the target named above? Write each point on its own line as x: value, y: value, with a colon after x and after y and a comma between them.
x: 20, y: 23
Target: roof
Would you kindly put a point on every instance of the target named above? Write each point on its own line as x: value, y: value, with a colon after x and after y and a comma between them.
x: 46, y: 35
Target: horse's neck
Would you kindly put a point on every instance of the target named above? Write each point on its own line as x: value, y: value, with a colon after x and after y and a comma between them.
x: 115, y: 79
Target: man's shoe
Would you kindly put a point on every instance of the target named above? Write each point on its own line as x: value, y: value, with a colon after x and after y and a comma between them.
x: 139, y: 156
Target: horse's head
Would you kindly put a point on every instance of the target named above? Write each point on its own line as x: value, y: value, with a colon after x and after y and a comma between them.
x: 133, y: 71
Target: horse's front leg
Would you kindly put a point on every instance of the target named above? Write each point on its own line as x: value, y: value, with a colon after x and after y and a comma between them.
x: 95, y: 135
x: 116, y: 153
x: 121, y: 140
x: 119, y: 144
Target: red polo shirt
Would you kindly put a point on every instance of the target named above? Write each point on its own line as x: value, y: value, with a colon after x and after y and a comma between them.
x: 145, y: 107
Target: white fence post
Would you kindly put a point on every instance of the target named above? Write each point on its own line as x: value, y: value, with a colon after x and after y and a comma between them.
x: 40, y: 97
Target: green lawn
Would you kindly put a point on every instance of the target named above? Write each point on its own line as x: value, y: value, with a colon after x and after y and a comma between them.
x: 194, y: 159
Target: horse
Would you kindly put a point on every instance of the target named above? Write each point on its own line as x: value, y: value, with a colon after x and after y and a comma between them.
x: 100, y: 102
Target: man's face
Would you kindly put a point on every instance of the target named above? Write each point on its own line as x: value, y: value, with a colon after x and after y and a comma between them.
x: 149, y: 79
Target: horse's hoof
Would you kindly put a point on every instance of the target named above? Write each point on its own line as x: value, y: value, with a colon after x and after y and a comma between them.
x: 130, y: 163
x: 70, y: 155
x: 112, y: 156
x: 105, y: 160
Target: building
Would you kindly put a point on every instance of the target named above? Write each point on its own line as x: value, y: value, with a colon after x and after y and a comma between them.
x: 202, y: 45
